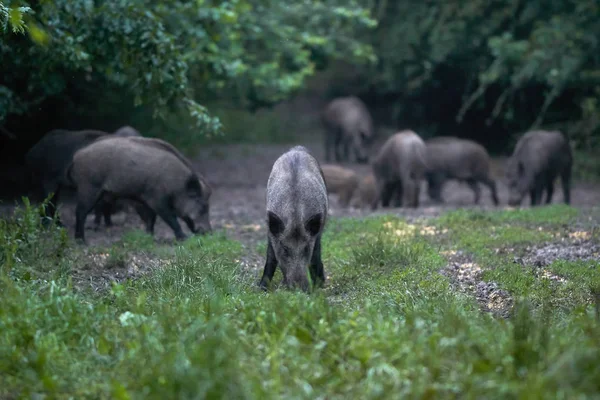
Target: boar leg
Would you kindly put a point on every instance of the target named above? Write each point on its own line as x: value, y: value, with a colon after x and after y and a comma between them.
x: 317, y: 272
x: 536, y: 195
x: 416, y: 194
x: 87, y: 198
x: 549, y: 191
x: 329, y: 145
x: 492, y: 186
x: 435, y: 183
x: 339, y: 143
x: 398, y: 198
x: 170, y: 217
x: 387, y: 193
x: 346, y: 149
x: 147, y: 215
x: 475, y: 188
x: 565, y: 179
x: 103, y: 209
x: 270, y: 266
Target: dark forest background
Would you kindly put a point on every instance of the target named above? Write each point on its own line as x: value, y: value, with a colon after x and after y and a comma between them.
x: 197, y: 72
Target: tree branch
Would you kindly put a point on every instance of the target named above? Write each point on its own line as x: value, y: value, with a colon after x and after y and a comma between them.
x: 472, y: 99
x: 499, y: 103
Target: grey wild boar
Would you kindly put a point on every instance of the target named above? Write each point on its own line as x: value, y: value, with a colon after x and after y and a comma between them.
x: 341, y: 181
x: 48, y: 159
x: 348, y: 126
x: 538, y: 159
x: 148, y: 171
x: 398, y: 169
x: 460, y: 159
x: 366, y: 192
x: 297, y: 206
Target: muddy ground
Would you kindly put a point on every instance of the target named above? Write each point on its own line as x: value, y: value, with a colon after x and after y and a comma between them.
x: 238, y: 175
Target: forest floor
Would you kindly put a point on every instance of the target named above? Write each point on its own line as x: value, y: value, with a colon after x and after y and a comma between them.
x: 492, y: 256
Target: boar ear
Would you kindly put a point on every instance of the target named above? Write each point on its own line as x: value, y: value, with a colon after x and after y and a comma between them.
x: 193, y: 186
x: 276, y: 226
x: 313, y: 224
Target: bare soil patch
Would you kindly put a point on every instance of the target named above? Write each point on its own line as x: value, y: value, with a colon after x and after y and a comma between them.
x: 239, y: 173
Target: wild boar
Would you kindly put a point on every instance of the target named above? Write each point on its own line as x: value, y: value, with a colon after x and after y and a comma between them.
x: 105, y: 209
x: 366, y: 192
x: 348, y: 126
x: 148, y: 171
x: 460, y: 159
x: 127, y: 131
x: 341, y: 181
x: 48, y: 159
x: 538, y: 159
x: 398, y: 169
x: 297, y: 206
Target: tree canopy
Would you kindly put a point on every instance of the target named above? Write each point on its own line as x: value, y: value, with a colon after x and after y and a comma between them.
x: 168, y: 54
x: 516, y: 63
x: 491, y: 66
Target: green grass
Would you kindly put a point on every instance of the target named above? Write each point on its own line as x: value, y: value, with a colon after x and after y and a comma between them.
x: 387, y: 325
x: 494, y: 239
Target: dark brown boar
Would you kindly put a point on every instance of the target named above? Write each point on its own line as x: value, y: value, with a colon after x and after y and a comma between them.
x: 399, y: 168
x: 341, y: 181
x: 538, y: 159
x: 48, y: 159
x: 148, y: 171
x: 348, y: 126
x: 460, y: 159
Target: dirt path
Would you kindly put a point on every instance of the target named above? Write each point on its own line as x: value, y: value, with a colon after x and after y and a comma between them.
x: 238, y: 174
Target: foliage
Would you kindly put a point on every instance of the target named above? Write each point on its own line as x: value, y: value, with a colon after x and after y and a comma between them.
x: 171, y: 55
x: 387, y: 324
x: 512, y: 63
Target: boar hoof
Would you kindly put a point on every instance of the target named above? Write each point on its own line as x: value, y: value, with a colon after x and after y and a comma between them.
x: 263, y: 285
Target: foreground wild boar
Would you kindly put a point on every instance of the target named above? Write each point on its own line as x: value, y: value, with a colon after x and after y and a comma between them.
x: 341, y: 181
x: 48, y: 159
x: 460, y: 159
x: 297, y: 206
x: 398, y: 169
x: 538, y: 159
x: 348, y: 126
x: 148, y: 171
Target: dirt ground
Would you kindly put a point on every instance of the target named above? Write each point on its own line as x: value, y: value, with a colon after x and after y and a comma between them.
x: 238, y: 175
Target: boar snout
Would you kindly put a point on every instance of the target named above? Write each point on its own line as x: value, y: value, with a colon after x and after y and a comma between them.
x: 299, y: 280
x: 200, y: 225
x: 514, y: 200
x: 203, y: 229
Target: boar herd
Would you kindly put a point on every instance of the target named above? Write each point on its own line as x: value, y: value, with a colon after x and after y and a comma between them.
x: 113, y: 171
x: 405, y: 159
x: 110, y: 171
